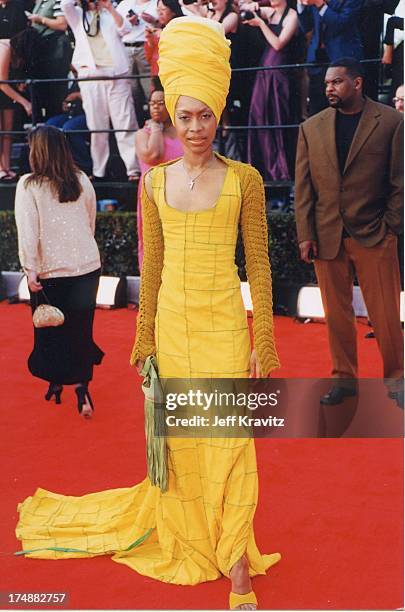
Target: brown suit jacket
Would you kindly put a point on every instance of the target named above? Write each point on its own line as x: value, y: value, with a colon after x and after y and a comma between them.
x: 367, y: 198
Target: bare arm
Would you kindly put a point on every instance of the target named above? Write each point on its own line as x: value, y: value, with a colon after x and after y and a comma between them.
x: 122, y: 24
x: 289, y: 30
x: 53, y: 23
x: 150, y: 144
x: 5, y: 57
x: 230, y: 23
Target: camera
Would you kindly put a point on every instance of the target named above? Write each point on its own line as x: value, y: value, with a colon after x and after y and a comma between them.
x: 245, y: 15
x: 187, y: 2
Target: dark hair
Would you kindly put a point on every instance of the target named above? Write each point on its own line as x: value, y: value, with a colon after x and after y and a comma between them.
x: 156, y: 85
x: 25, y: 52
x: 229, y: 8
x: 50, y: 158
x: 353, y: 67
x: 174, y: 6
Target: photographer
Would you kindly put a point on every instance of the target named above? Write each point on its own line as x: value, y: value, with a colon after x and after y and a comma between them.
x: 73, y: 118
x: 140, y: 14
x: 99, y: 52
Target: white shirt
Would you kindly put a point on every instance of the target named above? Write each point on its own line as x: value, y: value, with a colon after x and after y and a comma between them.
x: 137, y: 33
x: 112, y: 35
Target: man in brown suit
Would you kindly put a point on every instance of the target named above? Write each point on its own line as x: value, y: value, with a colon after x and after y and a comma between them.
x: 349, y: 181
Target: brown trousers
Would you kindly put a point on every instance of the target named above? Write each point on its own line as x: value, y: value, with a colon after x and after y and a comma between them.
x: 377, y: 271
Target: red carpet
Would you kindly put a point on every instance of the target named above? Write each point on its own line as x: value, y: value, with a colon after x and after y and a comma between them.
x: 333, y: 508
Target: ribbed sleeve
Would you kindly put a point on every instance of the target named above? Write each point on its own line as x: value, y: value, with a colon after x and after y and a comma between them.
x: 255, y: 241
x: 151, y: 277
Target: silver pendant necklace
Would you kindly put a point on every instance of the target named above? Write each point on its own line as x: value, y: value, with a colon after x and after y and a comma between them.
x: 191, y: 181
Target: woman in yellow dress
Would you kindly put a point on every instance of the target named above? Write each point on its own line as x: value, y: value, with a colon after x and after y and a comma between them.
x: 193, y: 319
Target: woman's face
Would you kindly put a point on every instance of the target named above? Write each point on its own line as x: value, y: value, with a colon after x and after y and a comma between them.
x: 195, y: 124
x: 157, y: 108
x: 164, y: 13
x: 219, y: 5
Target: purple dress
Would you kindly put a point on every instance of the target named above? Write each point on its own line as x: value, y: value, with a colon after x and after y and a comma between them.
x: 270, y: 105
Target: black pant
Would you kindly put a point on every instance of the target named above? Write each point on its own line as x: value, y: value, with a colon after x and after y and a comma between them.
x: 56, y: 55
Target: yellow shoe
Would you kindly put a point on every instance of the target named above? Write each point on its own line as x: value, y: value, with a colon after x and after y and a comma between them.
x: 236, y: 600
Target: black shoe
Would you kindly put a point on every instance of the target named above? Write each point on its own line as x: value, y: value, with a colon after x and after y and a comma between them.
x: 84, y: 402
x: 55, y: 390
x: 398, y: 396
x: 370, y: 335
x: 336, y: 395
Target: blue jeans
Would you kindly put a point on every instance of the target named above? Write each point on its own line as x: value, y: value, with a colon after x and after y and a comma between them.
x: 77, y: 142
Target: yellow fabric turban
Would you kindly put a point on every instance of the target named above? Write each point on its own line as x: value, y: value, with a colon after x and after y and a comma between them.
x: 194, y: 61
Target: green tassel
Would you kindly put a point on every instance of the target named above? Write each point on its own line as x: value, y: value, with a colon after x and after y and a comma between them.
x: 155, y: 426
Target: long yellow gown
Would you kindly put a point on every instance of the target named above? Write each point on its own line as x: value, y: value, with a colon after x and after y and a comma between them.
x: 203, y: 524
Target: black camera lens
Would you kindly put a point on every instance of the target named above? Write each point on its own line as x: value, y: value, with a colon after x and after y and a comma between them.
x: 246, y: 15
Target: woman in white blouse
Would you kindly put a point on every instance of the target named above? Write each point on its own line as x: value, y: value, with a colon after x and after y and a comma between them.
x: 55, y: 210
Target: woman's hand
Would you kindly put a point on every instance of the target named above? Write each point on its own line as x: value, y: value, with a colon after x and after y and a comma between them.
x: 155, y: 126
x: 149, y: 36
x: 255, y: 369
x: 133, y: 19
x: 255, y: 22
x: 35, y: 19
x: 388, y: 55
x: 27, y: 106
x: 33, y: 282
x: 139, y: 366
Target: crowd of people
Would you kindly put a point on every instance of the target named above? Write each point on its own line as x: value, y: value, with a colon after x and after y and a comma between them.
x: 115, y: 43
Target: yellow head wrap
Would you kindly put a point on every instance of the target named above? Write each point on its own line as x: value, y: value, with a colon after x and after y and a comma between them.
x: 194, y: 61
